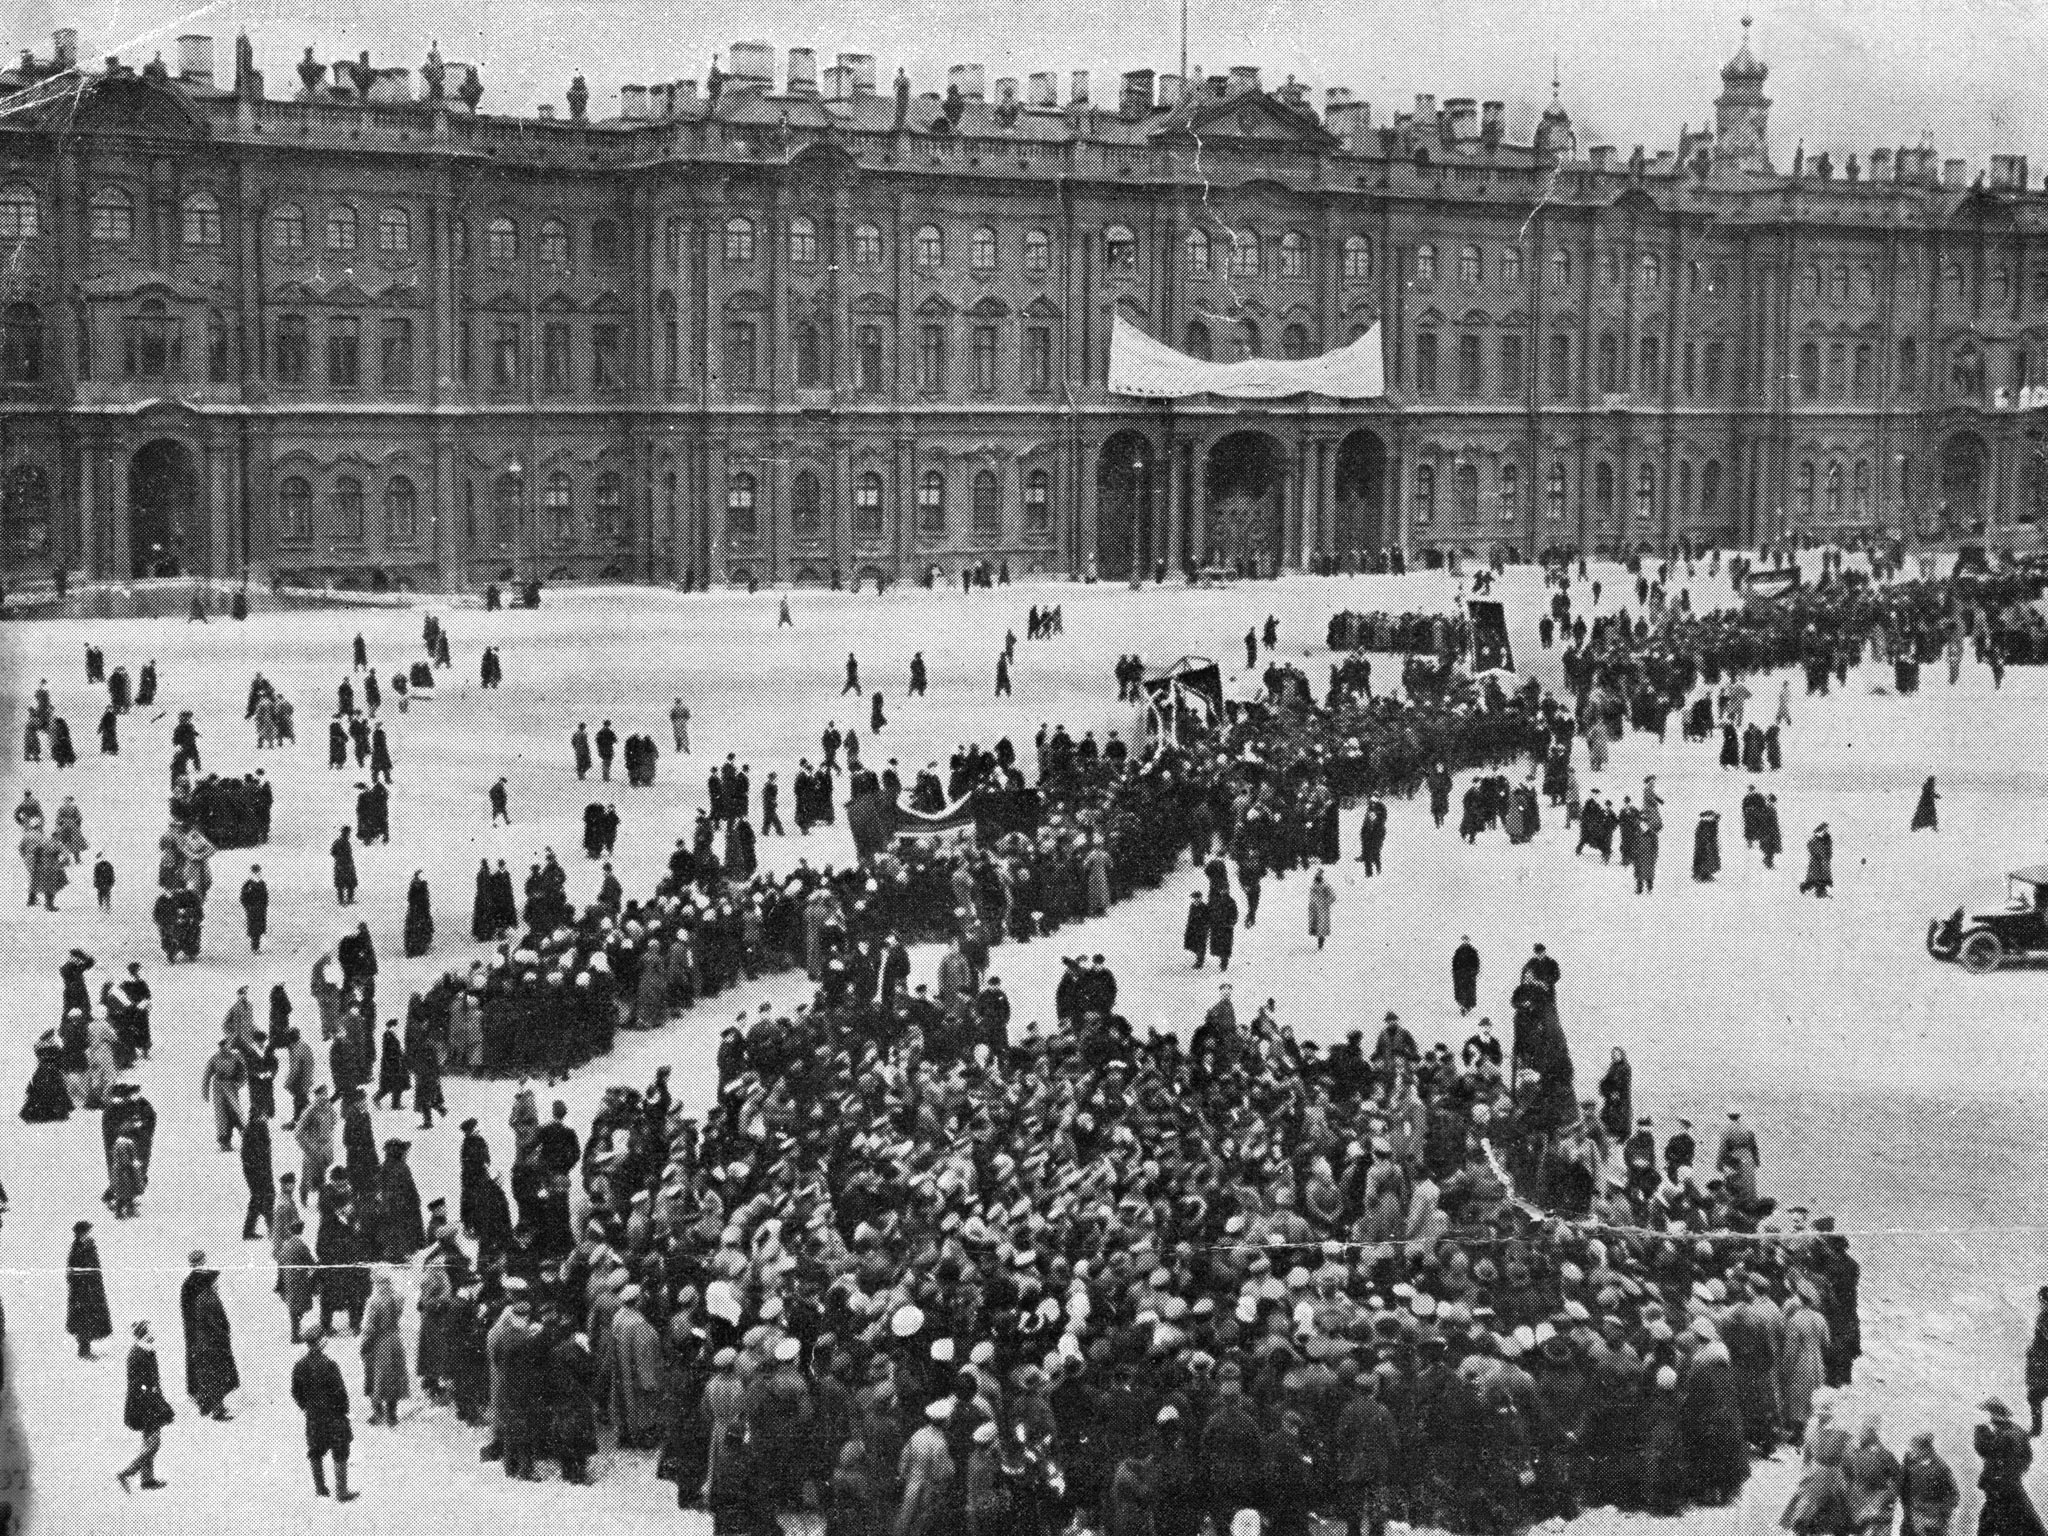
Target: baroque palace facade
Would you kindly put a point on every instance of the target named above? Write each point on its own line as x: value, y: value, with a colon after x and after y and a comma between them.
x: 372, y: 334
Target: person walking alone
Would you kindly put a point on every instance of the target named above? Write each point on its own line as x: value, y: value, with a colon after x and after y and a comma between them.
x: 146, y: 1411
x: 1321, y: 898
x: 322, y: 1397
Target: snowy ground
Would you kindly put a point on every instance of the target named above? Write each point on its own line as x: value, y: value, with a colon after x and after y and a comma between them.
x: 1894, y: 1091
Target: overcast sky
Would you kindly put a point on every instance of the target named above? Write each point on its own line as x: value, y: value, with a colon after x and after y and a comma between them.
x: 1843, y: 76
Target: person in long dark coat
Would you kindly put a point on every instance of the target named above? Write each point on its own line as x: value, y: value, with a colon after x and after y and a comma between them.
x: 1731, y: 748
x: 258, y: 1175
x: 210, y: 1373
x: 419, y: 918
x: 1710, y: 1422
x: 1820, y: 862
x: 110, y: 734
x: 62, y: 753
x: 1195, y: 935
x: 398, y: 1227
x: 145, y: 1409
x: 483, y: 922
x: 344, y: 855
x: 1706, y: 846
x: 86, y: 1317
x: 394, y: 1071
x: 256, y: 907
x: 359, y: 1149
x: 1465, y: 975
x: 1923, y: 813
x: 1617, y: 1097
x: 2002, y: 1447
x: 1222, y: 925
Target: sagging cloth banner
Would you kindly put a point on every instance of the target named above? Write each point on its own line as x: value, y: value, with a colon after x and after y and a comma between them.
x: 1147, y: 369
x: 1185, y: 700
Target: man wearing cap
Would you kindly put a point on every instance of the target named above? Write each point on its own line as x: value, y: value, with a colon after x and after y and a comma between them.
x: 636, y: 1374
x: 1232, y: 1452
x: 1362, y: 1458
x: 2002, y: 1448
x: 322, y: 1397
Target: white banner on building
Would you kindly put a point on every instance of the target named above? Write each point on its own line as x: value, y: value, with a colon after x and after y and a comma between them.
x: 1151, y: 370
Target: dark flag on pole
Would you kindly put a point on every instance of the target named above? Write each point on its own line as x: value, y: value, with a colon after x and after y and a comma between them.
x: 1490, y: 649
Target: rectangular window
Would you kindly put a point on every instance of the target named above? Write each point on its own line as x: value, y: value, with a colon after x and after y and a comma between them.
x: 672, y: 247
x: 1470, y: 368
x: 867, y: 360
x: 984, y: 359
x: 1510, y: 367
x: 396, y: 359
x: 1038, y: 359
x: 292, y: 359
x: 1425, y: 364
x: 607, y: 358
x: 1557, y: 368
x: 554, y: 358
x: 1710, y: 370
x: 1691, y: 370
x: 462, y: 373
x: 931, y: 360
x: 739, y: 355
x: 344, y: 353
x: 508, y: 364
x: 1837, y: 370
x: 671, y: 351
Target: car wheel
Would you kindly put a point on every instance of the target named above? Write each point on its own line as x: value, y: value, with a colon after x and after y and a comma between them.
x: 1980, y: 952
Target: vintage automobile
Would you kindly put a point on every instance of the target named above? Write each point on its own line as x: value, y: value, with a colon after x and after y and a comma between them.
x: 1984, y: 941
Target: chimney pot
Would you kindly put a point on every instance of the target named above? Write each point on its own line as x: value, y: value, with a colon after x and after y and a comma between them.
x: 1042, y: 89
x: 803, y: 72
x: 1603, y: 157
x: 862, y: 66
x: 1135, y: 99
x: 632, y: 102
x: 1954, y: 173
x: 968, y: 80
x: 64, y: 46
x: 838, y: 82
x: 195, y: 59
x: 686, y: 90
x: 547, y: 111
x: 753, y: 64
x: 1463, y: 113
x: 1077, y: 96
x: 1243, y: 77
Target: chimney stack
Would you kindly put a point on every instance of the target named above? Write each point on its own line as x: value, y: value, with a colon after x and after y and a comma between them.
x: 1042, y: 89
x: 1603, y: 157
x: 2009, y: 173
x: 1955, y: 173
x: 686, y: 93
x: 838, y: 83
x: 753, y: 64
x: 968, y: 79
x: 803, y: 72
x: 64, y: 47
x: 1880, y: 165
x: 633, y: 102
x: 1349, y: 121
x: 1243, y: 77
x: 1493, y: 122
x: 860, y: 69
x: 1463, y: 113
x: 195, y: 59
x: 547, y: 110
x: 1077, y: 96
x: 1135, y: 99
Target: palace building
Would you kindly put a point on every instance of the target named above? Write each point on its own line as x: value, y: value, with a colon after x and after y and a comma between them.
x: 371, y: 333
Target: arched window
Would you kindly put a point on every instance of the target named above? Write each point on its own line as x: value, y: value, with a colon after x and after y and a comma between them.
x: 809, y: 356
x: 558, y: 506
x: 1863, y: 490
x: 1860, y: 371
x: 1119, y: 249
x: 1471, y: 269
x: 21, y: 344
x: 341, y: 229
x: 345, y: 511
x: 216, y: 347
x: 1610, y: 363
x: 607, y: 507
x: 2001, y: 287
x: 739, y: 241
x: 1510, y: 267
x: 554, y: 243
x: 1966, y: 372
x: 20, y: 214
x: 1681, y: 501
x: 1652, y: 267
x: 605, y: 245
x: 1603, y: 492
x: 1802, y: 493
x: 1195, y: 340
x: 288, y: 227
x: 1244, y: 253
x: 740, y: 527
x: 1294, y: 255
x: 1037, y: 251
x: 1838, y: 285
x: 1194, y: 253
x: 928, y: 247
x: 1510, y: 492
x: 1835, y: 492
x: 806, y: 506
x: 501, y: 239
x: 401, y: 512
x: 1357, y: 259
x: 1554, y: 494
x: 394, y: 231
x: 294, y: 510
x: 113, y: 216
x: 507, y: 492
x: 1422, y: 504
x: 199, y: 220
x: 1649, y: 370
x: 931, y: 503
x: 988, y: 506
x: 867, y: 246
x: 1646, y: 494
x: 867, y: 506
x: 1250, y: 339
x: 1953, y: 281
x: 1425, y: 263
x: 1560, y: 269
x: 981, y: 250
x: 1710, y: 489
x: 1610, y: 267
x: 25, y: 517
x: 803, y: 242
x: 1037, y: 503
x: 1809, y: 281
x: 1467, y: 482
x: 1294, y: 341
x: 1909, y: 366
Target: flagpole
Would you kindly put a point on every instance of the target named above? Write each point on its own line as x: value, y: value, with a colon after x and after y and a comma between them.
x: 1183, y: 45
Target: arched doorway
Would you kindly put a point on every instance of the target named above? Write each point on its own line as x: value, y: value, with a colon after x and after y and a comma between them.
x: 1123, y: 506
x: 1361, y: 521
x: 1962, y: 484
x: 164, y: 533
x: 1244, y: 516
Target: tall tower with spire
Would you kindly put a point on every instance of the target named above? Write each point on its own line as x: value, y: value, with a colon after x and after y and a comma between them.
x: 1555, y: 140
x: 1742, y: 115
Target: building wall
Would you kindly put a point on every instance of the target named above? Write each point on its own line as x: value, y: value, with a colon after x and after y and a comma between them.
x: 684, y: 359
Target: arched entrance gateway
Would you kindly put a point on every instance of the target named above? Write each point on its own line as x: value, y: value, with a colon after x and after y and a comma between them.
x: 1244, y: 517
x: 1962, y: 485
x: 166, y: 537
x: 1123, y: 506
x: 1361, y: 520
